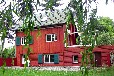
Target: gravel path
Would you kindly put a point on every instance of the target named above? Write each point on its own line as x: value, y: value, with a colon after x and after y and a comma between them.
x: 54, y: 68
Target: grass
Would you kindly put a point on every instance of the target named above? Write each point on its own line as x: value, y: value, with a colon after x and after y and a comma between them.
x: 32, y: 72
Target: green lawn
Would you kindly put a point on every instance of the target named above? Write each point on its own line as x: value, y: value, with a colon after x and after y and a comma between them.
x: 31, y: 72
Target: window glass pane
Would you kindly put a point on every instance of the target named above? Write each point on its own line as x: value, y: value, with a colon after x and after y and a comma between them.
x: 46, y: 58
x: 112, y: 58
x: 52, y: 39
x: 23, y: 56
x: 22, y: 40
x: 51, y: 58
x: 52, y: 35
x: 55, y: 37
x: 75, y: 58
x: 48, y: 37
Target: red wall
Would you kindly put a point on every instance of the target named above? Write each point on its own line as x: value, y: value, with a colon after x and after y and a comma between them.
x: 40, y: 46
x: 34, y: 60
x: 68, y: 56
x: 105, y: 53
x: 9, y: 61
x: 70, y: 51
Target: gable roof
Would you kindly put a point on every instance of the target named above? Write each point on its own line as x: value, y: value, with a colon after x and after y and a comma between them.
x: 46, y: 18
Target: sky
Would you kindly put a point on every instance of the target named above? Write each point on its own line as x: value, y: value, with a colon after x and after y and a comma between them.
x: 106, y: 10
x: 102, y: 10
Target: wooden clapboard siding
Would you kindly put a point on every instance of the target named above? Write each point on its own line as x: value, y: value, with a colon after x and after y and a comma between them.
x: 110, y: 47
x: 104, y: 58
x: 35, y: 63
x: 17, y: 50
x: 34, y: 59
x: 74, y: 49
x: 67, y: 59
x: 61, y: 58
x: 8, y: 61
x: 33, y: 56
x: 18, y: 56
x: 104, y: 54
x: 40, y: 45
x: 68, y: 56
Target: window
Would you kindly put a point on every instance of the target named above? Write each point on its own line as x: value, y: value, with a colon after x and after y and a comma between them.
x: 48, y: 58
x: 23, y: 59
x: 51, y: 37
x: 48, y: 37
x: 75, y: 59
x: 23, y: 40
x: 112, y: 58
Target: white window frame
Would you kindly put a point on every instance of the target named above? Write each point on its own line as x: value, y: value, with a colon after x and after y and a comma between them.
x: 24, y: 62
x: 51, y: 37
x: 49, y: 58
x: 23, y: 59
x: 23, y: 40
x: 74, y: 60
x: 112, y: 58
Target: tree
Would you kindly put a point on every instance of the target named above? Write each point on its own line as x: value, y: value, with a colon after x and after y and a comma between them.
x: 9, y: 52
x: 105, y: 29
x: 105, y: 24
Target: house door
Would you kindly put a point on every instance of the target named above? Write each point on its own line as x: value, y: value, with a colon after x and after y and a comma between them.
x: 22, y: 59
x: 25, y: 62
x: 97, y: 59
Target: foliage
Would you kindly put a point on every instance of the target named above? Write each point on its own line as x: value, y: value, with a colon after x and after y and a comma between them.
x: 24, y: 9
x: 0, y: 48
x: 50, y: 4
x: 105, y: 24
x: 33, y: 72
x: 105, y: 31
x: 9, y: 52
x: 86, y: 26
x: 106, y: 39
x: 6, y: 22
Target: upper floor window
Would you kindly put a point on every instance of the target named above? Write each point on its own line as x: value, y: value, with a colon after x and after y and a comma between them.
x: 23, y: 40
x: 51, y: 37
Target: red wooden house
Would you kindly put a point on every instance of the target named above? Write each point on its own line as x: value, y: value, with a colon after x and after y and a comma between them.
x: 48, y: 49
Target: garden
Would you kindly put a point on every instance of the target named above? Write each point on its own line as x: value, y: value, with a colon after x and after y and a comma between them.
x: 35, y: 72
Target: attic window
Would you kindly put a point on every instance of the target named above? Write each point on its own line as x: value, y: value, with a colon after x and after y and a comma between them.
x: 51, y: 37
